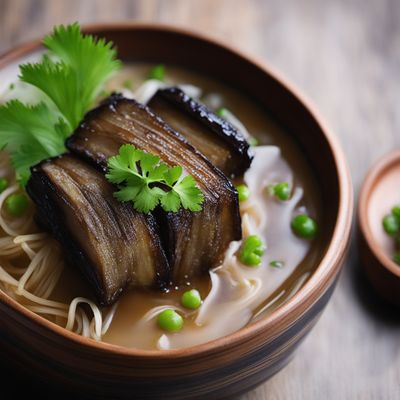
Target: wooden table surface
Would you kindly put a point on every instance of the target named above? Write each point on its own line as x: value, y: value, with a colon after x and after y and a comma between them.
x: 345, y: 55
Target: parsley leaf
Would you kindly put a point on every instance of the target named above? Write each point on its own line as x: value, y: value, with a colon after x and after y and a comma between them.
x: 146, y: 181
x: 71, y: 75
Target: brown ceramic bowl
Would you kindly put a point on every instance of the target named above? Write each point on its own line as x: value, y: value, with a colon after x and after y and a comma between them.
x: 233, y: 364
x: 378, y: 195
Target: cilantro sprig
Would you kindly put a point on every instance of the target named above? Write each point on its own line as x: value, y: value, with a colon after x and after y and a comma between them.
x: 71, y: 75
x: 147, y: 182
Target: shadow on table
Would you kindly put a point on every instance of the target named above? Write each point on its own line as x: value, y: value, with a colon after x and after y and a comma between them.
x: 377, y: 307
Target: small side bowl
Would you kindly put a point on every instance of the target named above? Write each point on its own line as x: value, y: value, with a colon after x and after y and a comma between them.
x: 381, y: 270
x: 233, y: 364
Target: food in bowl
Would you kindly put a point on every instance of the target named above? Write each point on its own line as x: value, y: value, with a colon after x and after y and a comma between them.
x: 391, y: 225
x: 158, y: 272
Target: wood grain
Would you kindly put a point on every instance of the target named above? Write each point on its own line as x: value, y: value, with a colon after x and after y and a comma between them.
x: 345, y: 55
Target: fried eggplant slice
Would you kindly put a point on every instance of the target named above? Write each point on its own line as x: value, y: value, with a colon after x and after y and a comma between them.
x: 194, y: 241
x: 114, y: 246
x: 213, y: 136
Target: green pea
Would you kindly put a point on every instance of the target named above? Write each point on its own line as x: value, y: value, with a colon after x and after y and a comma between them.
x: 243, y: 192
x: 251, y: 251
x: 169, y: 320
x: 252, y: 141
x: 390, y: 224
x: 304, y: 226
x: 282, y: 191
x: 250, y: 259
x: 221, y: 112
x: 158, y: 72
x: 276, y: 264
x: 191, y: 299
x: 396, y: 212
x: 396, y: 258
x: 17, y: 204
x: 3, y: 184
x: 253, y: 242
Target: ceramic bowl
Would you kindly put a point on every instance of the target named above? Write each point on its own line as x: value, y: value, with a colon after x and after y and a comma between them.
x: 379, y: 193
x: 233, y: 364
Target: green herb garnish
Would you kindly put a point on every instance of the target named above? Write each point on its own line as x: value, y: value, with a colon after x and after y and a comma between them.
x: 147, y: 182
x: 72, y: 75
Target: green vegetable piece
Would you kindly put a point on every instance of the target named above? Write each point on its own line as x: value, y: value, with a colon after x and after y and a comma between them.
x: 12, y: 86
x: 30, y: 134
x: 71, y: 76
x: 281, y: 191
x: 191, y: 299
x: 252, y: 141
x: 396, y: 258
x: 251, y: 251
x: 276, y: 264
x: 3, y: 184
x: 396, y: 212
x: 17, y: 204
x: 391, y: 225
x: 136, y: 172
x: 169, y: 320
x: 158, y: 72
x: 243, y: 192
x: 304, y: 226
x: 221, y: 112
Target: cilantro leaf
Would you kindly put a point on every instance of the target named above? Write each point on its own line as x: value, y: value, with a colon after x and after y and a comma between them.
x: 71, y: 76
x: 147, y: 182
x: 190, y: 195
x: 30, y: 134
x: 76, y: 79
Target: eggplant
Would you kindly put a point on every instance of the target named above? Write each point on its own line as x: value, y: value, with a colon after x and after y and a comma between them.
x: 213, y: 136
x: 193, y: 241
x: 114, y: 246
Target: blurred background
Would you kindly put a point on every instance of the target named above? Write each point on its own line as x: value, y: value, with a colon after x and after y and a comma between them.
x: 343, y: 55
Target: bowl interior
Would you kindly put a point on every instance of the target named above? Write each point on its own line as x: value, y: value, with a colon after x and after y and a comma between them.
x: 379, y: 194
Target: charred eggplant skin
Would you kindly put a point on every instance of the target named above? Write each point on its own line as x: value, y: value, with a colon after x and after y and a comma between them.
x: 193, y: 241
x: 239, y: 152
x: 51, y: 205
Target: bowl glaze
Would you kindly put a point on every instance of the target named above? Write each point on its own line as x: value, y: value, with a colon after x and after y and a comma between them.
x: 234, y: 364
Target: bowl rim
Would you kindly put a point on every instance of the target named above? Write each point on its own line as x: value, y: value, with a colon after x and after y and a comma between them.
x: 368, y: 186
x: 329, y: 265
